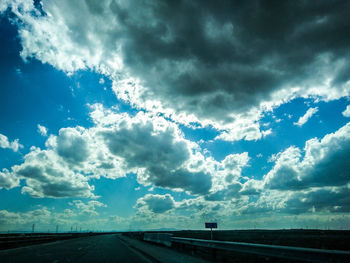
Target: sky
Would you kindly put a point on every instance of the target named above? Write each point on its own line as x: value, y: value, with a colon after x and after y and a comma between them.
x: 127, y: 115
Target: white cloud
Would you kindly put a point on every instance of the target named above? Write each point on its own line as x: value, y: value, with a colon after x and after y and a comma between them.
x: 88, y: 208
x: 41, y: 34
x: 47, y: 175
x: 266, y: 132
x: 313, y: 180
x: 346, y: 112
x: 228, y: 171
x: 244, y: 128
x: 8, y: 180
x: 251, y: 187
x: 303, y: 119
x: 118, y: 144
x: 42, y: 130
x: 189, y: 85
x: 155, y: 149
x: 325, y: 163
x: 37, y: 216
x: 15, y: 5
x: 6, y: 144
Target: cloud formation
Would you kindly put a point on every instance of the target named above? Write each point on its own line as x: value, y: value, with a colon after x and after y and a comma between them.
x: 346, y: 112
x: 325, y: 163
x: 303, y: 119
x: 40, y: 215
x: 6, y: 144
x: 46, y: 175
x: 42, y: 130
x: 334, y: 200
x: 72, y: 145
x: 88, y: 208
x: 152, y: 147
x: 156, y: 150
x: 221, y: 65
x: 8, y: 180
x: 118, y: 144
x: 156, y: 203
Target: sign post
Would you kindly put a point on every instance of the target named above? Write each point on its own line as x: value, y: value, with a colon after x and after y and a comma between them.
x: 211, y: 226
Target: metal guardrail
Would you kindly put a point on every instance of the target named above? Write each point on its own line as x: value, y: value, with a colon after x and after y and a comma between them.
x: 285, y: 252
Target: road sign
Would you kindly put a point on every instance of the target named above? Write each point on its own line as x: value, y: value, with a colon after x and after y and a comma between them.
x: 211, y: 225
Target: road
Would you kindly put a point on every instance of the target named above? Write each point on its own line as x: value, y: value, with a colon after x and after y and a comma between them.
x: 103, y: 248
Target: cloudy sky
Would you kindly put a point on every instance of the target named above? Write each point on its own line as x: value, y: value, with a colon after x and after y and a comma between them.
x: 119, y: 114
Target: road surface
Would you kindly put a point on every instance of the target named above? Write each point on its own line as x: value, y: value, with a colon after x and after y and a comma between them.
x: 103, y: 248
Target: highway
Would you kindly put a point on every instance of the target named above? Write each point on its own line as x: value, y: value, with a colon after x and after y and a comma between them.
x: 103, y: 248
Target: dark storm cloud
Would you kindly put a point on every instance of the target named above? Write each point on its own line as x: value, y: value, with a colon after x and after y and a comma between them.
x: 212, y: 58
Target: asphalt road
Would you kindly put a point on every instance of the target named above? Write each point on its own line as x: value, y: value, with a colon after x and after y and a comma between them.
x: 103, y: 248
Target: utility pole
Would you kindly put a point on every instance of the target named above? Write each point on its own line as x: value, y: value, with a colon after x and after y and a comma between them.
x: 56, y: 229
x: 33, y: 226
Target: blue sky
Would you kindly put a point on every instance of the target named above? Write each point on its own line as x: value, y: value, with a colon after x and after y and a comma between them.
x: 111, y: 123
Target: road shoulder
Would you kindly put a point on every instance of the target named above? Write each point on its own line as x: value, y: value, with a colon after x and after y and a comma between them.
x: 159, y: 253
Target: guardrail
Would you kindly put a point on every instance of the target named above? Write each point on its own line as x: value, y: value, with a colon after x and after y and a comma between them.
x: 272, y: 251
x: 160, y: 238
